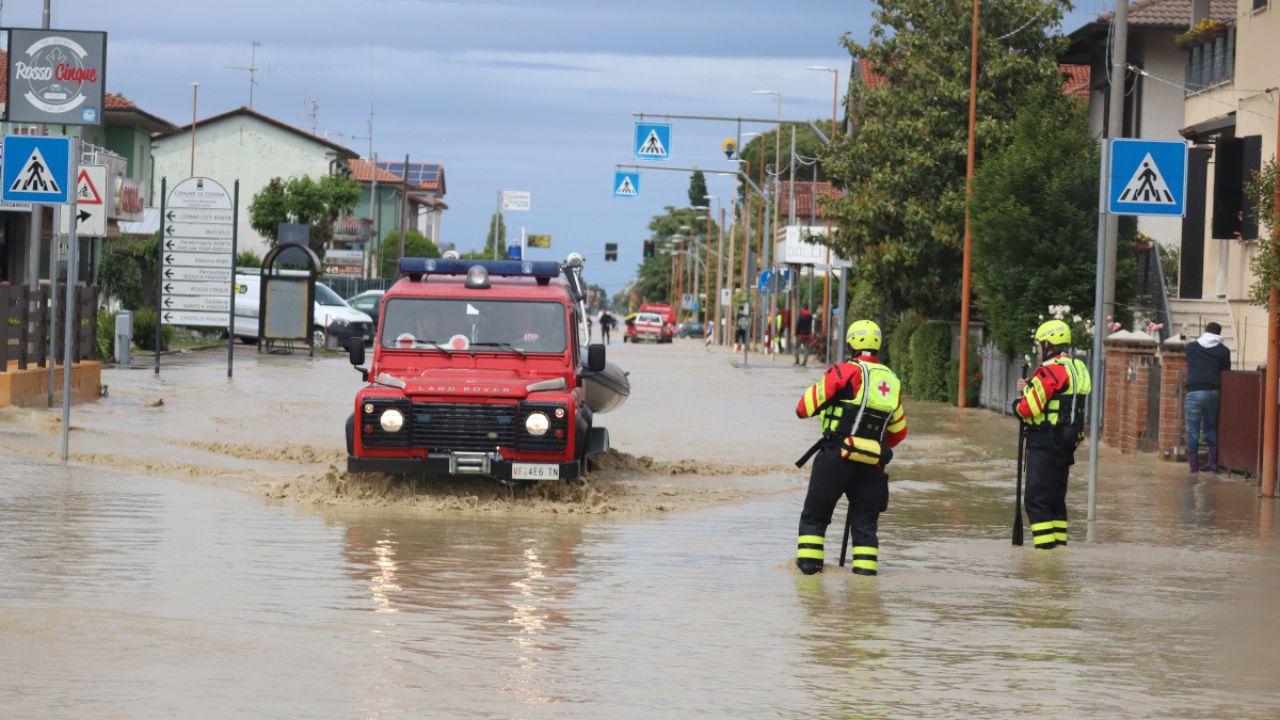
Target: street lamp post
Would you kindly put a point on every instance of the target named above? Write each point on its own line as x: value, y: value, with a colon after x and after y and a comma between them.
x: 826, y: 277
x: 715, y: 303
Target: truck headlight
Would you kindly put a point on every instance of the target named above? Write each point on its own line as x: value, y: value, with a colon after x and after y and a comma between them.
x: 537, y: 424
x: 392, y: 420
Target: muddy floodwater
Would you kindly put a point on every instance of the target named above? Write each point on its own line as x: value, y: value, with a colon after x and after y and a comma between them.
x: 204, y: 555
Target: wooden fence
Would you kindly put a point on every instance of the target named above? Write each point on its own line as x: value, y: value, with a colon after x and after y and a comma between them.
x: 24, y: 326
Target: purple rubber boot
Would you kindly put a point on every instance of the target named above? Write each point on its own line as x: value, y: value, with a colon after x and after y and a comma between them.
x: 1212, y: 465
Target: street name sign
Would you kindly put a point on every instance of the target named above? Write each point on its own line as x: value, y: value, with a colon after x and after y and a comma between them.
x: 91, y: 209
x: 626, y: 185
x: 1147, y: 177
x: 36, y: 169
x: 198, y: 269
x: 653, y: 141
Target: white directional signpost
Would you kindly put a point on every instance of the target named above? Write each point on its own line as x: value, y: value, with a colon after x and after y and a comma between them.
x: 198, y: 257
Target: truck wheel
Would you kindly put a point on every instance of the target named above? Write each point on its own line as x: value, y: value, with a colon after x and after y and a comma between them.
x: 351, y: 434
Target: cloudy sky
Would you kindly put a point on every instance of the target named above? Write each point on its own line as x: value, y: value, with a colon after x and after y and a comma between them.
x: 525, y: 95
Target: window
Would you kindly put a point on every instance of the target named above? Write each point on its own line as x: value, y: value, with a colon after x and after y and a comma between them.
x: 1259, y: 5
x: 1235, y: 161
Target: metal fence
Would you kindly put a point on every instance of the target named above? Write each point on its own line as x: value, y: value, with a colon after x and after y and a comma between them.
x: 999, y: 379
x: 348, y: 287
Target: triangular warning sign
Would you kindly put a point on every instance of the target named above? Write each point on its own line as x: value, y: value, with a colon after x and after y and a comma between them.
x: 625, y: 187
x: 653, y: 145
x: 35, y: 177
x: 1147, y: 186
x: 86, y: 193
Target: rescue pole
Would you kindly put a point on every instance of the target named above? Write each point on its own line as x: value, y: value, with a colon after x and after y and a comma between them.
x: 1022, y: 449
x: 1269, y: 416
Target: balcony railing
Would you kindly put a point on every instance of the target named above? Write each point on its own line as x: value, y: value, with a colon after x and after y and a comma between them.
x: 1210, y: 60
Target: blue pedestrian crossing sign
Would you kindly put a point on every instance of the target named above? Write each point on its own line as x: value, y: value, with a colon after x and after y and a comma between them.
x: 36, y: 169
x: 626, y: 185
x: 1147, y: 177
x: 653, y: 141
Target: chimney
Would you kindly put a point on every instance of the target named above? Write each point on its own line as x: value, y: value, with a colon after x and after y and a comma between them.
x: 1199, y: 11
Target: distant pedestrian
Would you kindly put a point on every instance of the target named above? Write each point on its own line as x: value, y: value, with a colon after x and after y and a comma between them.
x: 606, y: 325
x: 741, y: 322
x: 804, y: 336
x: 1207, y: 357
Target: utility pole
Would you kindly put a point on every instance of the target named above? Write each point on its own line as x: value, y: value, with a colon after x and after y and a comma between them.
x: 37, y: 228
x: 1270, y: 411
x: 195, y: 93
x: 963, y: 383
x: 404, y: 207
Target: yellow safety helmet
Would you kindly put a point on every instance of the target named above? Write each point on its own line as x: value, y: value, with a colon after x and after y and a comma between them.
x: 1054, y: 332
x: 863, y: 335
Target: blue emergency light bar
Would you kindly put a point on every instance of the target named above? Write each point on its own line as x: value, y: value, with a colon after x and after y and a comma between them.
x: 499, y: 268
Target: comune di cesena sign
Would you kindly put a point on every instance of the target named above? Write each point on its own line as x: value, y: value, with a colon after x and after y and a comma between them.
x: 56, y: 76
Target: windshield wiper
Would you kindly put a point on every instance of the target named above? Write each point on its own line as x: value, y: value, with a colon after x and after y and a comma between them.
x: 503, y: 345
x: 430, y: 345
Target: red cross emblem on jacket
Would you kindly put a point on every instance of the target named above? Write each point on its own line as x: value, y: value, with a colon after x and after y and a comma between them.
x: 883, y: 387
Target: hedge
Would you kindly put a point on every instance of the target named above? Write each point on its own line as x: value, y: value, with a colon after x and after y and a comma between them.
x: 930, y: 366
x: 144, y: 331
x: 898, y: 356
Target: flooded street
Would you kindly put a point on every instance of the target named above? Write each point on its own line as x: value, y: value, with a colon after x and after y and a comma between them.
x: 204, y: 555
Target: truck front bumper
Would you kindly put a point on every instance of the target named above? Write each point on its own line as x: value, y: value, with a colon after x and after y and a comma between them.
x: 451, y: 466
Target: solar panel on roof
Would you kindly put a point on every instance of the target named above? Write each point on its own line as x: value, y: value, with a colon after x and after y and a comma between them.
x: 419, y: 173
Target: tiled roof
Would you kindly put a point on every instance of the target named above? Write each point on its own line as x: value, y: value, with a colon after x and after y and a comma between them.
x: 804, y: 198
x: 868, y: 76
x: 118, y: 102
x: 1172, y: 13
x: 1075, y: 80
x: 362, y: 170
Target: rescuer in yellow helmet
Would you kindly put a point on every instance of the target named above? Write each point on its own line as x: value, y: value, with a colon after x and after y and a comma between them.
x: 860, y: 404
x: 1052, y: 407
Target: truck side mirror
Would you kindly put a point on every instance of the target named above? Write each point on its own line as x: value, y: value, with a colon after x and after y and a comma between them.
x: 355, y: 347
x: 595, y: 357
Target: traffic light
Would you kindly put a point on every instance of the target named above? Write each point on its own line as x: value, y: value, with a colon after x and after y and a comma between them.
x: 649, y: 248
x: 611, y: 252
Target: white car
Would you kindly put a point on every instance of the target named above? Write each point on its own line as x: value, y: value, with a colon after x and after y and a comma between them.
x: 333, y: 317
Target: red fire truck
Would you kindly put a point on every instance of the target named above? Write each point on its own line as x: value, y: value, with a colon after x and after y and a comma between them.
x: 481, y: 368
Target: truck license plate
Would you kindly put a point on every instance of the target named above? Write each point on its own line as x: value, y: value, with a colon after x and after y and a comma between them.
x: 534, y: 471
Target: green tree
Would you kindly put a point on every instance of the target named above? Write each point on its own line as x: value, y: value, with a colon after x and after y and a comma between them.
x: 1035, y: 206
x: 903, y: 169
x: 1266, y: 264
x: 653, y: 276
x: 697, y: 188
x: 415, y: 245
x: 301, y: 199
x: 496, y: 220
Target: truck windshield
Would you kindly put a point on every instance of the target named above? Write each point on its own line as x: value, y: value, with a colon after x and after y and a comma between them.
x: 491, y: 325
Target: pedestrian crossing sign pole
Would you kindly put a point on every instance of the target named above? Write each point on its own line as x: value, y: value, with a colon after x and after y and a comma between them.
x: 1147, y: 177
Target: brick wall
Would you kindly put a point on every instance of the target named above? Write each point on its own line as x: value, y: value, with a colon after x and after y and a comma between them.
x: 1173, y: 366
x: 1129, y: 359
